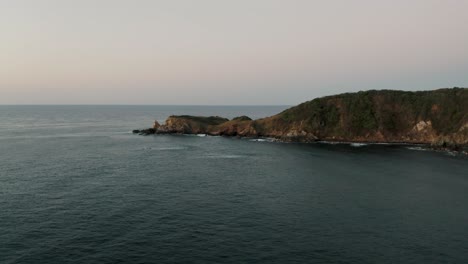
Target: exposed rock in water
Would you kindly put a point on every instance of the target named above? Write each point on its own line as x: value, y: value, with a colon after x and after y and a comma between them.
x: 437, y: 117
x: 148, y: 131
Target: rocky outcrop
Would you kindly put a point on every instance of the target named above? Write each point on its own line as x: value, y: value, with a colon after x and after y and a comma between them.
x: 156, y: 125
x: 186, y: 125
x: 437, y: 117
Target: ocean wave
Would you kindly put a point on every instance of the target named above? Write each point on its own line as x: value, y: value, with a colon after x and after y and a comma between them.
x: 362, y: 144
x: 195, y: 135
x: 451, y: 153
x: 357, y: 145
x: 417, y: 148
x: 224, y: 156
x: 262, y: 140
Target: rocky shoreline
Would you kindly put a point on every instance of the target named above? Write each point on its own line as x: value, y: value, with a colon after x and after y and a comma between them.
x: 177, y: 125
x: 438, y: 119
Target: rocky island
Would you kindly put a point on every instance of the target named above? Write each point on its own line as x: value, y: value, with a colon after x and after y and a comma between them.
x: 438, y: 117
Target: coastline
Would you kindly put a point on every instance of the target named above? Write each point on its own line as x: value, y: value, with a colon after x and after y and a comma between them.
x: 426, y: 146
x: 438, y: 119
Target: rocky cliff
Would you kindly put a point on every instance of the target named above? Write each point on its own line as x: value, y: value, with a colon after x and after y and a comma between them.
x: 438, y: 117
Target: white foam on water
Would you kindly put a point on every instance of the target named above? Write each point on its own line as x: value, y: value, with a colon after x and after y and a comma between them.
x: 195, y: 135
x: 225, y: 156
x: 330, y: 142
x: 451, y: 153
x: 164, y: 148
x: 417, y: 148
x: 262, y: 140
x: 171, y: 148
x: 357, y: 145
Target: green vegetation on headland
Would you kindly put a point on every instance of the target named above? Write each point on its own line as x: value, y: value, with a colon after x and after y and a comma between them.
x: 438, y: 117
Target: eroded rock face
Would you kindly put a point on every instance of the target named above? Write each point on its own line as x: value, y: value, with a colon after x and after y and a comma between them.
x: 457, y: 140
x: 423, y: 131
x: 423, y: 126
x: 156, y: 125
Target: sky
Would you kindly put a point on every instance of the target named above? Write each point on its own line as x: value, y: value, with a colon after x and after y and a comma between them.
x: 219, y: 52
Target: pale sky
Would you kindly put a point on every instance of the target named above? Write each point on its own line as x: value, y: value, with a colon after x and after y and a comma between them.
x: 217, y: 52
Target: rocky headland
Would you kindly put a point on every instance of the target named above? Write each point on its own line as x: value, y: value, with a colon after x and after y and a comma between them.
x: 438, y: 118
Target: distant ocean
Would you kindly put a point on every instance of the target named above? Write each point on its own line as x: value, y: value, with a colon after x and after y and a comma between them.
x: 77, y: 187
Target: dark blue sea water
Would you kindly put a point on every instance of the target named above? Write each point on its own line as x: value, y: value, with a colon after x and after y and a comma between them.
x: 77, y: 187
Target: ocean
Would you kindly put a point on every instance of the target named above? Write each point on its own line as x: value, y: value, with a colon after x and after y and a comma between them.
x: 76, y: 186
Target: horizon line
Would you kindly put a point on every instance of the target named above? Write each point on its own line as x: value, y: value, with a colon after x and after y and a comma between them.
x: 145, y: 105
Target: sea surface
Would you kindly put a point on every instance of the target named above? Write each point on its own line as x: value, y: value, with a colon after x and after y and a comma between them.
x: 77, y: 187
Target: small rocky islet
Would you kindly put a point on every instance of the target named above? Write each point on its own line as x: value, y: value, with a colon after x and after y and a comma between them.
x: 438, y: 118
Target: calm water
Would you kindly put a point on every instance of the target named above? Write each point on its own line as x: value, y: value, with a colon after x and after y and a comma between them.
x: 77, y: 187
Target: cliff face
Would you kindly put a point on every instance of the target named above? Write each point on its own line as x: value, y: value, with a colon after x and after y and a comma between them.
x: 378, y: 116
x: 436, y: 117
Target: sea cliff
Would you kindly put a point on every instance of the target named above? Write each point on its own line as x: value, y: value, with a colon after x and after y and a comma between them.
x: 438, y: 117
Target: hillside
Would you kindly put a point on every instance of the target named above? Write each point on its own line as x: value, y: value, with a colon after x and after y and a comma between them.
x: 438, y: 117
